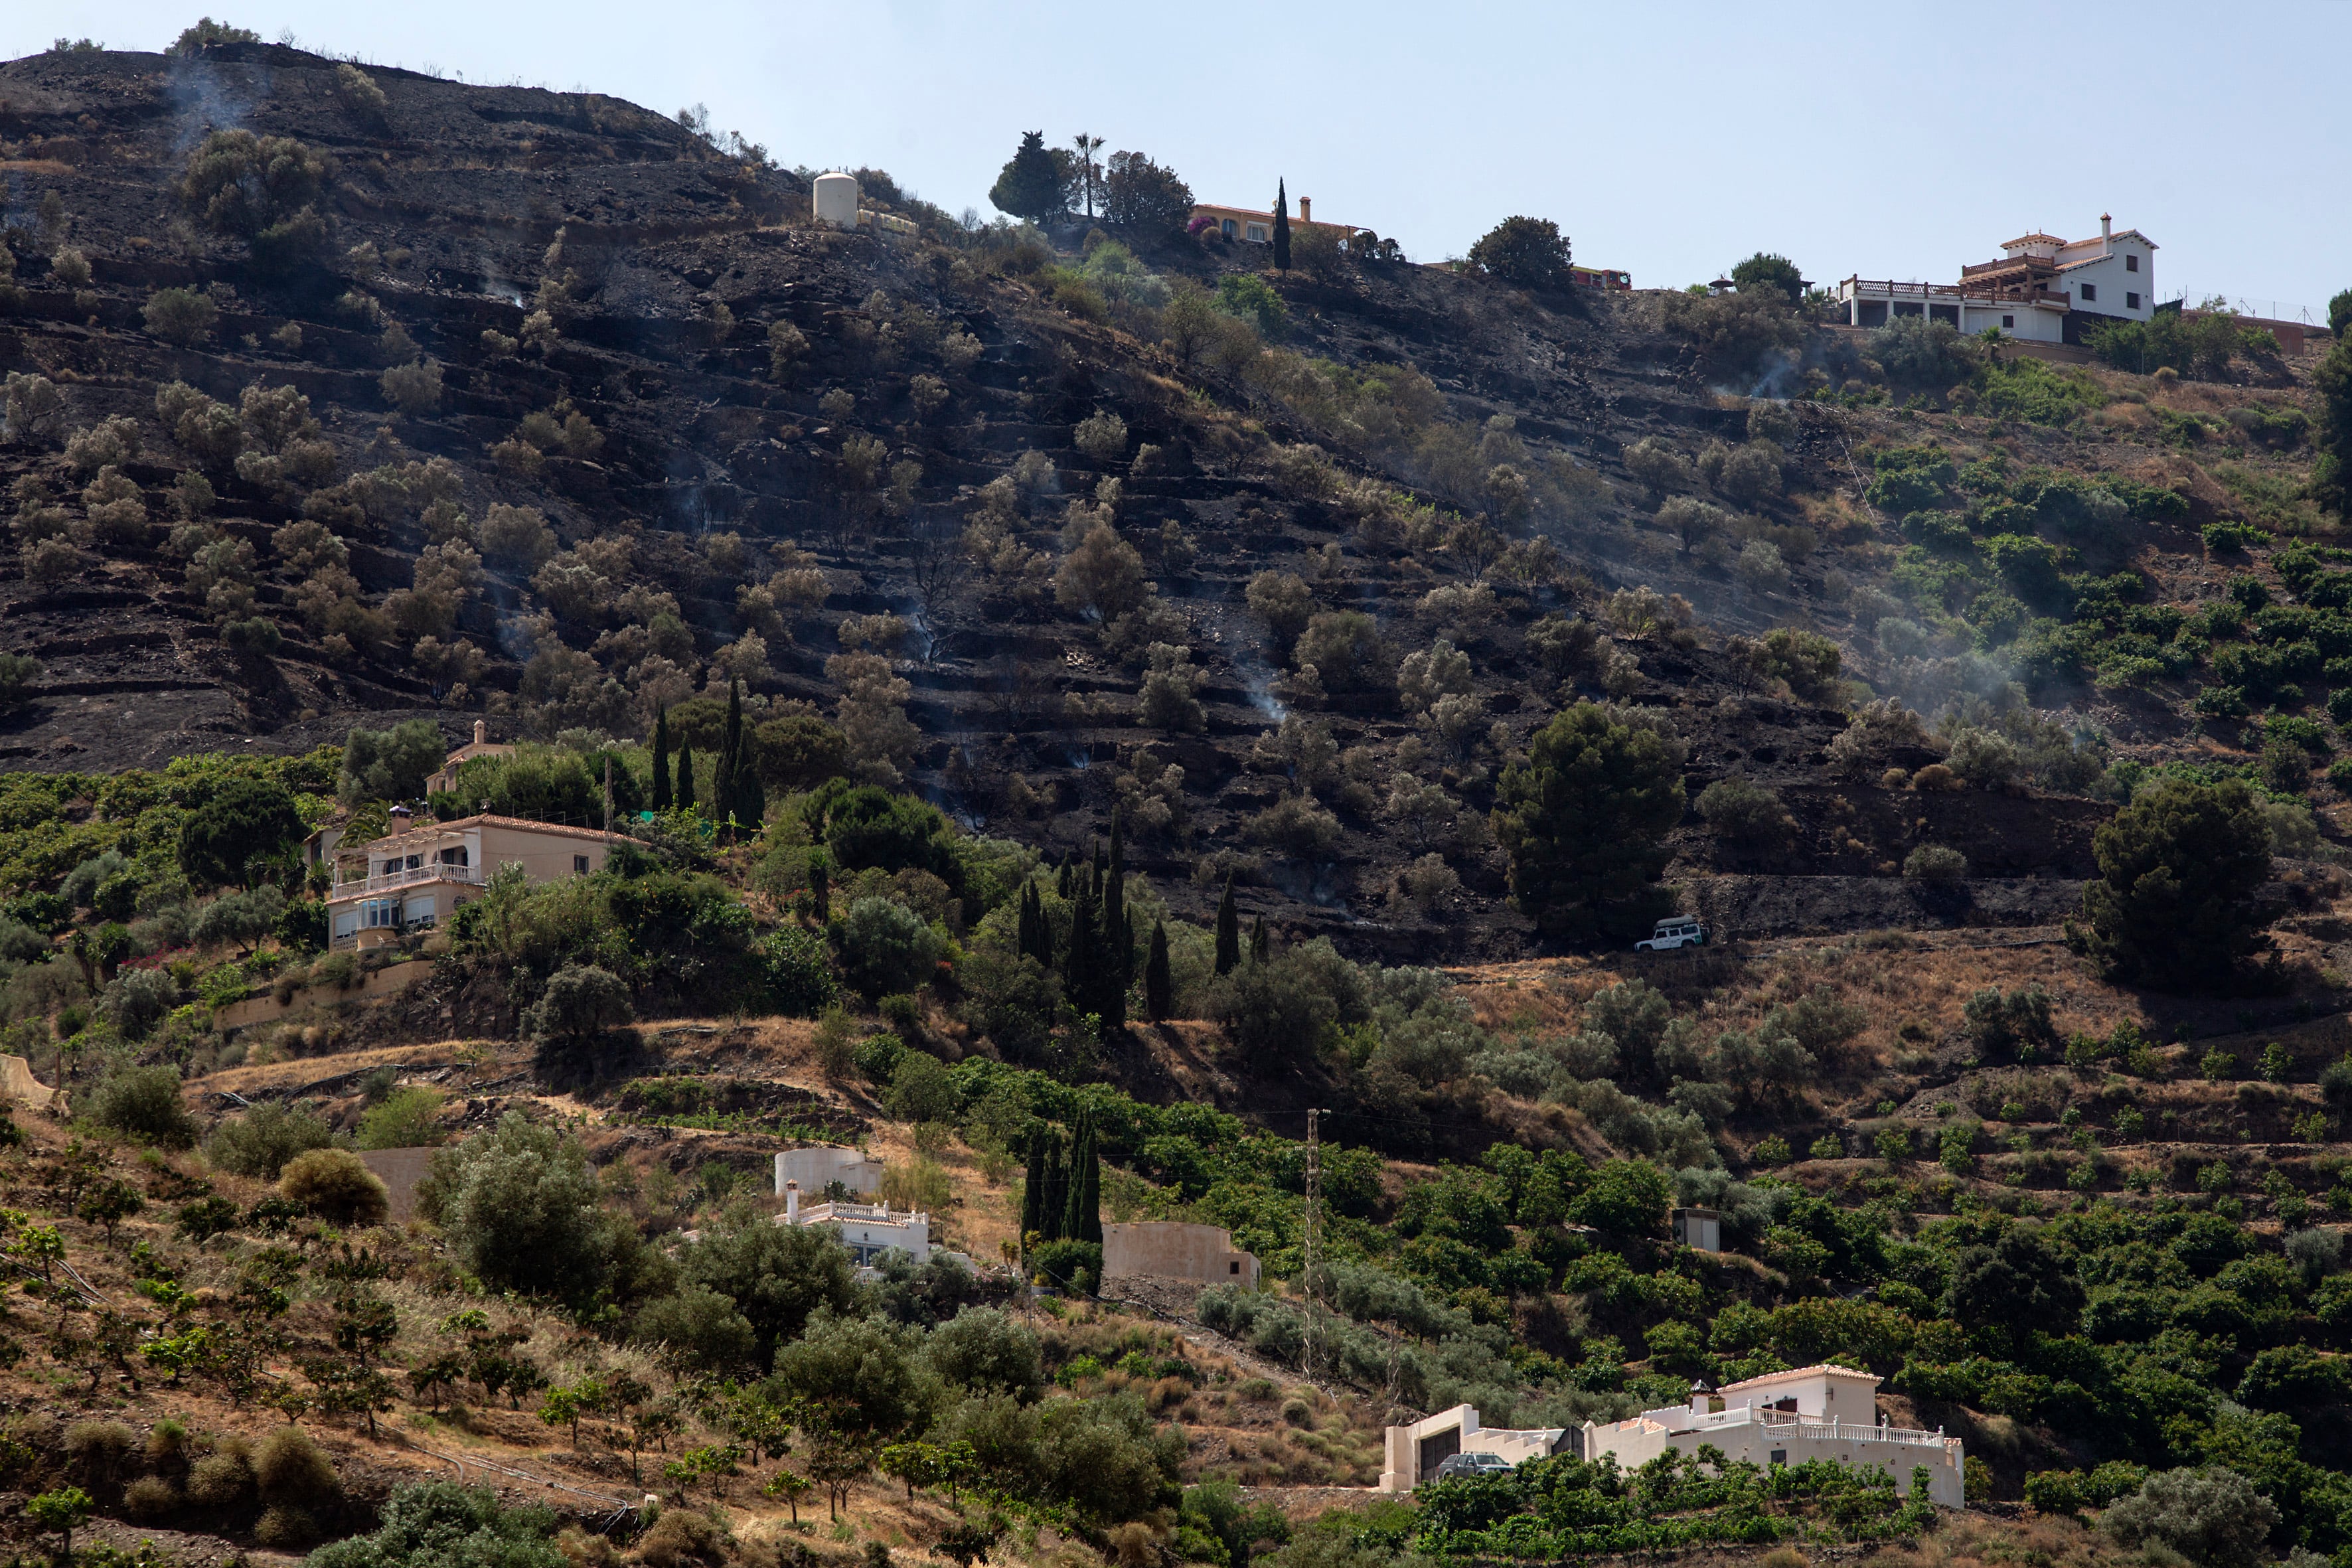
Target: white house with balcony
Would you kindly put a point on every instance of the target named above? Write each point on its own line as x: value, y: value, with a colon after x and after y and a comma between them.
x: 1788, y: 1418
x: 869, y: 1230
x: 1416, y: 1448
x: 414, y: 877
x: 2042, y: 289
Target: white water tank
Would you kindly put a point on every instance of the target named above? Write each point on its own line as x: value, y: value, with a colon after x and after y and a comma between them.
x: 836, y: 200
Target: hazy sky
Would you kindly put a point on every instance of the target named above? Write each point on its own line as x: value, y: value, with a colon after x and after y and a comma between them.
x: 1893, y: 140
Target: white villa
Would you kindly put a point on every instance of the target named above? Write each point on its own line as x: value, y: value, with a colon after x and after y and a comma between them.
x: 2042, y: 289
x: 1789, y: 1418
x: 869, y: 1230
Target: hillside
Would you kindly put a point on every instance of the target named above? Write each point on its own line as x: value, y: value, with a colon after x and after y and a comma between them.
x: 1135, y: 697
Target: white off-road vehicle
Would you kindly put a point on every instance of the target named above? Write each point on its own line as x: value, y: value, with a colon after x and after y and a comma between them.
x: 1673, y: 932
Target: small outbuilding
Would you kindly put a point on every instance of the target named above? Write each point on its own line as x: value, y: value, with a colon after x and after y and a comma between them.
x: 1172, y: 1249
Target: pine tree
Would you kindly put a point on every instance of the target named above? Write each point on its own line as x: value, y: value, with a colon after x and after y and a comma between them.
x: 1159, y: 985
x: 1261, y: 943
x: 1229, y: 930
x: 1281, y: 229
x: 684, y: 777
x: 1030, y: 185
x: 661, y: 761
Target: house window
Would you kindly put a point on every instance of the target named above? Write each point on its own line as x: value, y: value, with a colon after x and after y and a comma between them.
x: 2131, y: 301
x: 1780, y: 1456
x: 580, y: 865
x: 456, y: 857
x: 2131, y: 263
x: 377, y: 914
x: 1227, y: 227
x: 2008, y: 321
x: 1258, y: 233
x: 1233, y: 1266
x: 2090, y: 291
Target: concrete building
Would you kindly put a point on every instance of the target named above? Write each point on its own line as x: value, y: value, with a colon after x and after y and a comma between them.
x: 2042, y: 290
x: 1170, y: 1249
x: 1414, y: 1451
x: 869, y: 1230
x: 815, y: 1168
x: 416, y: 877
x: 1789, y: 1418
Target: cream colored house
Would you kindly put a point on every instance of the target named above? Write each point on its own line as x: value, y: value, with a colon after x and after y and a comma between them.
x: 1173, y: 1249
x: 1788, y: 1418
x: 416, y: 877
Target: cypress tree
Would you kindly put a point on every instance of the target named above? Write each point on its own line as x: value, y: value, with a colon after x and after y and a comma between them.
x: 1261, y: 942
x: 1229, y: 930
x: 750, y: 802
x: 1062, y: 877
x: 1115, y: 929
x: 1281, y: 228
x: 1033, y: 1191
x: 731, y: 746
x: 1159, y: 985
x: 1082, y: 976
x: 661, y: 760
x: 1082, y: 1205
x: 684, y: 777
x: 1055, y: 1196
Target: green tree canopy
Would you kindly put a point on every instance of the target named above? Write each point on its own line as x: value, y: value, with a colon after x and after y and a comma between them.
x: 247, y: 820
x: 1582, y: 817
x: 777, y: 1275
x: 1765, y: 270
x: 2173, y: 905
x: 391, y: 765
x: 1031, y: 184
x: 522, y: 1211
x: 1528, y: 251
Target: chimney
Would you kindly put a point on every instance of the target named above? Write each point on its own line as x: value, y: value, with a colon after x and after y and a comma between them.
x: 2106, y: 232
x: 1306, y: 209
x: 1701, y: 1396
x: 481, y: 733
x: 791, y: 1203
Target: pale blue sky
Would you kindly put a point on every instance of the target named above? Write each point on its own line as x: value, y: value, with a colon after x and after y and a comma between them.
x: 1890, y: 140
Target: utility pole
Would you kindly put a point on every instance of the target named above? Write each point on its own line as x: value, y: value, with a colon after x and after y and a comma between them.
x: 1314, y: 1214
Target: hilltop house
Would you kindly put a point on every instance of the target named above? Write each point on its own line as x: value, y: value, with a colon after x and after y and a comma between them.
x: 482, y: 746
x: 1787, y: 1418
x: 1258, y: 228
x: 2042, y: 290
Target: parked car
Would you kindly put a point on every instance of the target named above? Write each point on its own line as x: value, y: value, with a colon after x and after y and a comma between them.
x: 1459, y: 1466
x: 1673, y: 932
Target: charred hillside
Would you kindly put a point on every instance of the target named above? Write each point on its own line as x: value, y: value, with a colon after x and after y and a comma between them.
x: 341, y: 397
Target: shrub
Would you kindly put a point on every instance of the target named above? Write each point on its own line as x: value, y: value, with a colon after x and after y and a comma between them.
x: 1935, y: 863
x: 1284, y: 1006
x: 450, y: 1526
x: 412, y: 388
x: 984, y: 1351
x: 582, y: 1003
x: 259, y: 1143
x: 406, y: 1119
x: 1999, y: 1025
x: 1345, y: 647
x: 181, y: 316
x: 523, y: 1210
x: 222, y: 1478
x: 699, y: 1327
x: 777, y: 1276
x: 922, y: 1090
x: 1102, y: 437
x: 336, y: 1185
x: 150, y: 1497
x: 680, y: 1536
x: 1742, y: 811
x: 138, y: 1000
x: 2211, y: 1516
x: 291, y: 1469
x: 886, y: 947
x: 96, y: 1447
x: 143, y: 1102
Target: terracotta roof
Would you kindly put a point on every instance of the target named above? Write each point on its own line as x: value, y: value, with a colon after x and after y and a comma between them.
x: 1793, y: 1372
x: 2032, y: 238
x: 443, y: 829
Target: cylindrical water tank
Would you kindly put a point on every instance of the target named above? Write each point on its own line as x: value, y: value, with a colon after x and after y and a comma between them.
x: 836, y: 200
